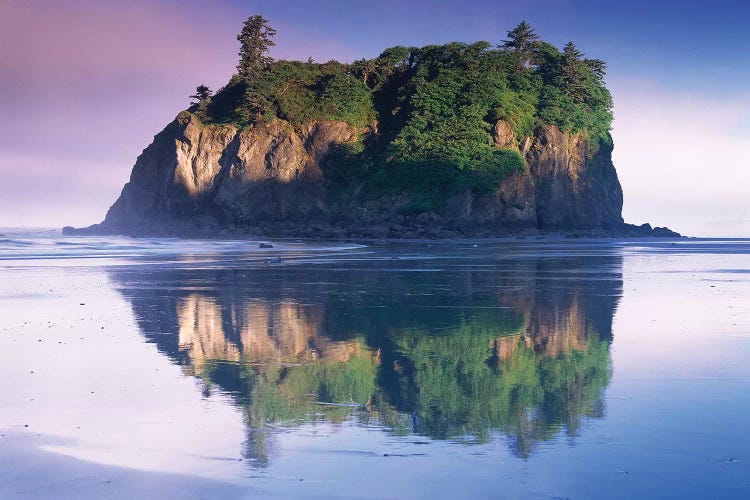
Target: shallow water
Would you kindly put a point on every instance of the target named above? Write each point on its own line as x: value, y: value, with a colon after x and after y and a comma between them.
x: 509, y: 368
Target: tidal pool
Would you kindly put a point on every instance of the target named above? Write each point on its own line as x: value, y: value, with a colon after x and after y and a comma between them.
x: 489, y: 368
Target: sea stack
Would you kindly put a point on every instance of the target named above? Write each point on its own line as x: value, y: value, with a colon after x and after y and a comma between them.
x: 456, y: 140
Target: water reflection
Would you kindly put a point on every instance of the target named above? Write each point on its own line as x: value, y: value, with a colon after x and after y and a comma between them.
x: 448, y: 349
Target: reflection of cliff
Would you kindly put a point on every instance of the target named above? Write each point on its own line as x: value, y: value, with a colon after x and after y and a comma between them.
x: 257, y: 331
x: 548, y: 332
x: 555, y: 332
x: 273, y: 357
x: 201, y: 333
x: 521, y: 348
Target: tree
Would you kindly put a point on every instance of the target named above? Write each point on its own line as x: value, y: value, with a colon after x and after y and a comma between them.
x: 364, y: 68
x: 523, y: 40
x: 255, y: 41
x: 202, y: 94
x: 571, y: 52
x: 598, y: 66
x: 574, y: 73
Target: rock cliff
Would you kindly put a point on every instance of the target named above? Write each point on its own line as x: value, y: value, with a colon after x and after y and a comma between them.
x: 206, y: 176
x: 270, y: 179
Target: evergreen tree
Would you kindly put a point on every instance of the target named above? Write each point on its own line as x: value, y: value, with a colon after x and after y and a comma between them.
x: 523, y: 40
x: 202, y: 94
x: 364, y: 68
x: 574, y: 73
x: 571, y: 52
x: 255, y: 40
x: 598, y: 66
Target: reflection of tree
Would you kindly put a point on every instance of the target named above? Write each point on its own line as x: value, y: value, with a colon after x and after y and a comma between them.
x: 455, y: 387
x: 523, y: 351
x: 275, y: 396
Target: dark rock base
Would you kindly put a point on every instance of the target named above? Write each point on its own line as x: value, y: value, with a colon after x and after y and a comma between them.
x: 322, y: 231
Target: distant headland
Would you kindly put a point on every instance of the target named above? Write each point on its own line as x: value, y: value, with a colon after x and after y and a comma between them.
x: 441, y: 141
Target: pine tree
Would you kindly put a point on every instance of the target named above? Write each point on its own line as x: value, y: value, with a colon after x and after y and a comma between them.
x: 571, y: 52
x: 598, y: 66
x: 202, y: 94
x: 523, y: 40
x: 255, y: 40
x: 574, y: 73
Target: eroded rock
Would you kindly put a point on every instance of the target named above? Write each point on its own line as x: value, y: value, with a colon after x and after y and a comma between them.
x: 269, y: 179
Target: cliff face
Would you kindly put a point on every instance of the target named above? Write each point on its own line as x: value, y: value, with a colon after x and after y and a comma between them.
x: 209, y: 176
x: 575, y: 182
x: 205, y: 177
x: 568, y: 185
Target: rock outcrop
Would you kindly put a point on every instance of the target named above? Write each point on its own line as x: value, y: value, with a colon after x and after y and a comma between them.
x: 269, y: 179
x: 207, y: 176
x: 575, y: 181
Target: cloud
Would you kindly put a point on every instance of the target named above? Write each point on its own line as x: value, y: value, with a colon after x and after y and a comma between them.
x: 682, y: 158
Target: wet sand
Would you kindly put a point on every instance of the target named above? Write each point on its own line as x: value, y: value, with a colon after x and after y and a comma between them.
x: 514, y: 368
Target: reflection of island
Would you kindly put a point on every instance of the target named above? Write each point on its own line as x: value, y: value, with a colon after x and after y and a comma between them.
x: 256, y: 331
x: 520, y: 348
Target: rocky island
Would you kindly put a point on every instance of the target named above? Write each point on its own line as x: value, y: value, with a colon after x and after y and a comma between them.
x: 442, y: 141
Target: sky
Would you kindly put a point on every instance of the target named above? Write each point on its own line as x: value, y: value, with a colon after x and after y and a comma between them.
x: 86, y: 84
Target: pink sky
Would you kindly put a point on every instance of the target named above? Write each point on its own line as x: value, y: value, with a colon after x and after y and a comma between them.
x: 89, y: 85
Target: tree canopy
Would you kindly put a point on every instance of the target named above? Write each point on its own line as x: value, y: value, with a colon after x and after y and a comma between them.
x: 432, y: 109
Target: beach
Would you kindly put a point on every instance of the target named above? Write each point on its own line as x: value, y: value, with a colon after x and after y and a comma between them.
x: 487, y: 368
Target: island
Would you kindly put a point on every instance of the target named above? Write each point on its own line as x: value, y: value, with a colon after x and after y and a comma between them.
x: 441, y: 141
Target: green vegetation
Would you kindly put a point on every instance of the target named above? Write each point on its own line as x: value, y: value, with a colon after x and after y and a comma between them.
x: 298, y: 92
x: 459, y: 389
x: 431, y: 109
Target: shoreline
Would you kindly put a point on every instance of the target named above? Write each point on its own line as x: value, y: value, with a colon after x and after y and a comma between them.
x: 376, y: 232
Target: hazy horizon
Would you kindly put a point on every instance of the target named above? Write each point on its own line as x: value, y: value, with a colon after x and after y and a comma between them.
x: 81, y: 108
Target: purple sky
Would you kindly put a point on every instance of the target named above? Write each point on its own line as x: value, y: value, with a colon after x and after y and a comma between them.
x: 85, y: 84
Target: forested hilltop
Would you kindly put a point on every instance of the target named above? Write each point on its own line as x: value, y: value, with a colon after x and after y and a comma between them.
x: 433, y: 108
x: 442, y: 141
